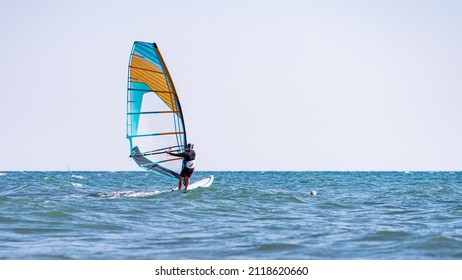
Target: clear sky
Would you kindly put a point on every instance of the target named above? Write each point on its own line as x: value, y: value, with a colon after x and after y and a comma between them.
x: 264, y: 85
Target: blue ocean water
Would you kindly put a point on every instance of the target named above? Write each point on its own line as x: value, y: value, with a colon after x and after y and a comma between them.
x: 243, y: 215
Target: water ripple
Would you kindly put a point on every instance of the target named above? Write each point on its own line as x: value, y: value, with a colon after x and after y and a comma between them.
x: 244, y: 215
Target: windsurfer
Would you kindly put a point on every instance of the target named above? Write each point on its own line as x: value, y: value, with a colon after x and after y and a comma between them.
x: 189, y: 156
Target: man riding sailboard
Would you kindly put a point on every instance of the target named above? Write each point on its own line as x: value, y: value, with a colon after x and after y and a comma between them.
x: 189, y: 156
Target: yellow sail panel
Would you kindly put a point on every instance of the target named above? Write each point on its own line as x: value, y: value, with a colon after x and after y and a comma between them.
x: 144, y: 71
x: 141, y: 63
x: 155, y: 81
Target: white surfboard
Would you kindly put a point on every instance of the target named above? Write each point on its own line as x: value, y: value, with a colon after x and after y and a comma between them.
x: 204, y: 183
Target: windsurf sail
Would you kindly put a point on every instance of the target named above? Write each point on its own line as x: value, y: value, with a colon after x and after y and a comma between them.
x: 155, y: 121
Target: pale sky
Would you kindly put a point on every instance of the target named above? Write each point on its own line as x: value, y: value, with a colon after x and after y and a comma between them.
x: 264, y: 85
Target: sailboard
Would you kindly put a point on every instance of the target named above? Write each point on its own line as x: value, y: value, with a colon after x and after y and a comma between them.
x: 155, y: 120
x: 204, y: 183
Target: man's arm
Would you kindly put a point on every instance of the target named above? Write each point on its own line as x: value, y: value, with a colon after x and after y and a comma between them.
x: 183, y: 155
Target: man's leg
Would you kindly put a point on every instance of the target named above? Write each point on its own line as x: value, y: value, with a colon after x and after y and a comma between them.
x: 186, y: 183
x: 180, y: 183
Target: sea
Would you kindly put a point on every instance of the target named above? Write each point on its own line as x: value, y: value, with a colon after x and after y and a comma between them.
x: 242, y: 216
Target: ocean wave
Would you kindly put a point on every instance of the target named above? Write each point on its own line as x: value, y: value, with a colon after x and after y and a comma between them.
x: 278, y: 247
x: 123, y: 194
x: 386, y: 235
x: 253, y: 215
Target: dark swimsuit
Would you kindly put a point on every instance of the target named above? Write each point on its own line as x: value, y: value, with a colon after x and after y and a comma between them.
x: 187, y: 157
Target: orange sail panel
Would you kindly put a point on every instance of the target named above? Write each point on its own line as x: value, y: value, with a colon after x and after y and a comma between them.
x: 144, y: 71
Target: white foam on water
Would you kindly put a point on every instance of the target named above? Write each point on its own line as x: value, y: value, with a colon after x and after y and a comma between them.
x: 129, y: 194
